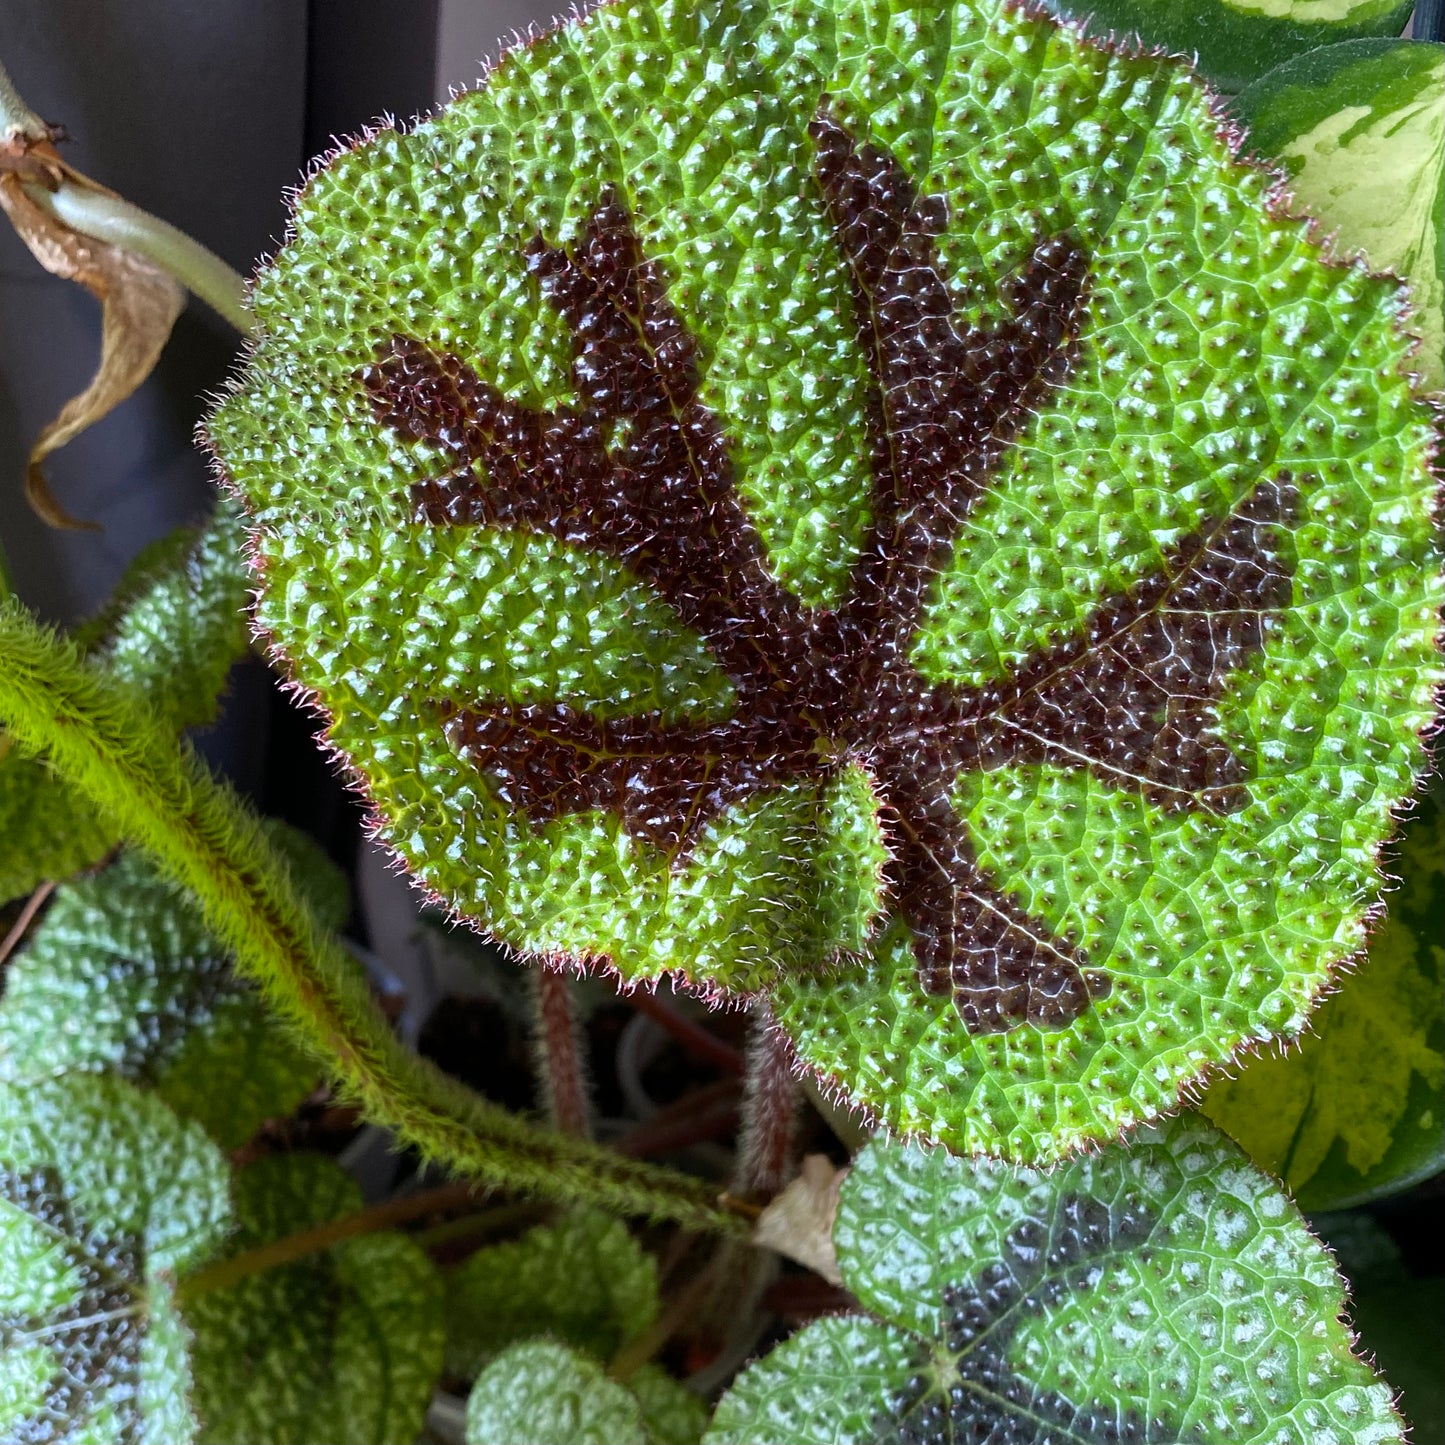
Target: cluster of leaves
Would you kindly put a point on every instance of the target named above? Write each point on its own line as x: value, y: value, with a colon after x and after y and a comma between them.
x: 865, y: 503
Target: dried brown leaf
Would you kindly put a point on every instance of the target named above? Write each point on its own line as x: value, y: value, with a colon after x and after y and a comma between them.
x: 799, y: 1222
x: 139, y: 305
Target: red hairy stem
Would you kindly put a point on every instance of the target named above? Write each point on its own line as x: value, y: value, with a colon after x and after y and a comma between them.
x: 561, y: 1068
x: 704, y: 1113
x: 767, y: 1138
x: 692, y: 1036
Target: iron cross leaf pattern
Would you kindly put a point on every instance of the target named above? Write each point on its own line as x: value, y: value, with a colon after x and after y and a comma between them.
x: 868, y: 504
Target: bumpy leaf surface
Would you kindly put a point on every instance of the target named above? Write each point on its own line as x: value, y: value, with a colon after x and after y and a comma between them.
x: 866, y: 501
x: 541, y: 1393
x: 177, y: 625
x: 1361, y: 129
x: 104, y: 1195
x: 123, y: 974
x: 1168, y: 1292
x: 584, y: 1281
x: 1358, y: 1110
x: 1236, y: 41
x: 342, y: 1345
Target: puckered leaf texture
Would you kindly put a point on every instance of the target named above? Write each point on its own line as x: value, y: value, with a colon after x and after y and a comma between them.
x: 543, y: 1393
x: 104, y: 1195
x: 1168, y: 1292
x: 1236, y: 41
x: 174, y: 629
x: 584, y: 1281
x: 1358, y: 1109
x: 344, y: 1345
x: 1361, y: 129
x: 122, y: 974
x: 870, y: 502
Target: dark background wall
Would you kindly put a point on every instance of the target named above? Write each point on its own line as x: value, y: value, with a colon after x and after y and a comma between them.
x: 204, y: 112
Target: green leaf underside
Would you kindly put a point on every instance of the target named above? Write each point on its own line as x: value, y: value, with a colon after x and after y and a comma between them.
x: 542, y: 1393
x: 343, y: 1345
x: 1358, y: 1110
x: 104, y: 1195
x: 584, y: 1282
x: 1235, y: 41
x: 123, y: 975
x: 1361, y: 129
x: 1103, y: 932
x: 1169, y: 1292
x: 173, y: 631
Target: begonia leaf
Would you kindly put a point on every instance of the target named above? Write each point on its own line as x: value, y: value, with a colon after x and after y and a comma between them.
x: 104, y: 1195
x: 543, y: 1393
x: 1165, y: 1292
x: 1361, y: 129
x: 343, y: 1345
x: 1235, y: 41
x: 584, y: 1281
x: 123, y: 975
x: 176, y: 627
x: 867, y: 502
x: 1358, y: 1109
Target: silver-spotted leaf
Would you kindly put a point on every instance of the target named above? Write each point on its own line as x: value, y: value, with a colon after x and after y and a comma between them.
x: 1166, y: 1292
x: 584, y: 1281
x: 543, y: 1393
x: 173, y: 631
x: 1358, y: 1109
x: 868, y: 501
x: 1235, y: 41
x: 104, y: 1195
x: 344, y: 1345
x: 123, y: 974
x: 1361, y: 129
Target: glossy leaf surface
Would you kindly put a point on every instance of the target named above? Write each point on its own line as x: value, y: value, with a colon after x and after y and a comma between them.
x: 866, y: 502
x: 342, y: 1345
x: 104, y: 1196
x: 1358, y: 1109
x: 1167, y: 1292
x: 1361, y: 130
x: 1236, y: 41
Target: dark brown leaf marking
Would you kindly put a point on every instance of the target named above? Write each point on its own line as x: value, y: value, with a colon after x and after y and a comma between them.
x: 986, y: 1402
x: 96, y: 1338
x: 639, y: 470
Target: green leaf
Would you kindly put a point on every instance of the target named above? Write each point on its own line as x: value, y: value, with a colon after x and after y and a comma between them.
x: 176, y: 626
x: 585, y: 1281
x: 1361, y: 129
x: 1398, y: 1317
x: 123, y: 974
x: 1358, y: 1110
x: 1167, y: 1292
x: 104, y: 1196
x: 541, y: 1393
x: 671, y: 1413
x: 344, y: 1345
x: 868, y: 503
x: 1236, y: 41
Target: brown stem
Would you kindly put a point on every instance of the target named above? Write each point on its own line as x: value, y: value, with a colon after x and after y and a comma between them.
x: 561, y: 1068
x: 707, y: 1112
x: 24, y: 919
x: 692, y: 1036
x: 291, y: 1247
x: 770, y: 1109
x: 635, y: 1353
